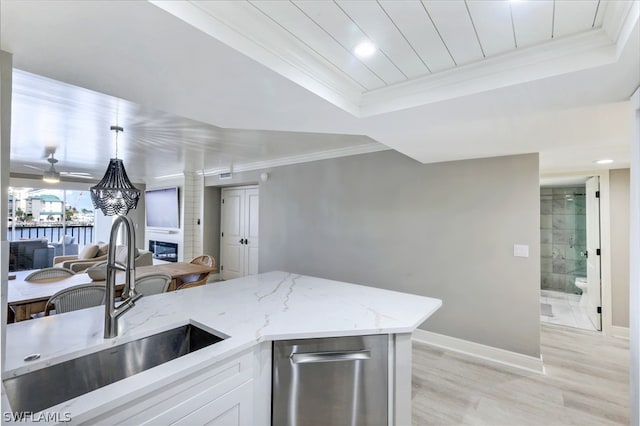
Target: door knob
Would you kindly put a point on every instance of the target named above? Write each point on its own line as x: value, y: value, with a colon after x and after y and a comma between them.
x: 241, y: 241
x: 246, y: 241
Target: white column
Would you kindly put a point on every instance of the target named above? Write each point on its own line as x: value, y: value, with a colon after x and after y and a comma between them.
x: 634, y: 281
x: 6, y: 70
x: 193, y: 196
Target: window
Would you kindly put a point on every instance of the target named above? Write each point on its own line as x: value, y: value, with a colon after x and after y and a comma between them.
x: 44, y: 223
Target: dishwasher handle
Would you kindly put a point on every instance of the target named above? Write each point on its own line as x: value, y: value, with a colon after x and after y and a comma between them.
x: 315, y: 357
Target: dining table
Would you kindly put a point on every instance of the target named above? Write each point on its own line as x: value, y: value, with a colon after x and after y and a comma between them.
x: 27, y: 298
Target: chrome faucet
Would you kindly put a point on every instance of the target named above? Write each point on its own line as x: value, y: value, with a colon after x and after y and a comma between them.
x: 111, y: 313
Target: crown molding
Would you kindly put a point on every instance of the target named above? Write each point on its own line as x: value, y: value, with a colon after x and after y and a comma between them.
x: 616, y: 16
x: 297, y: 159
x: 627, y: 24
x: 586, y: 50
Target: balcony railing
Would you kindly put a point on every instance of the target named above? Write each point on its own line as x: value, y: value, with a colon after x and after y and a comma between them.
x: 53, y: 233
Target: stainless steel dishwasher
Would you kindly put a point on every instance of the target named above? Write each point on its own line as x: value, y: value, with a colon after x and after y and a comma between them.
x: 330, y: 381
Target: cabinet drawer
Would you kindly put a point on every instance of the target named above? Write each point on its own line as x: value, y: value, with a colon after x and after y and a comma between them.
x: 176, y: 400
x: 231, y: 409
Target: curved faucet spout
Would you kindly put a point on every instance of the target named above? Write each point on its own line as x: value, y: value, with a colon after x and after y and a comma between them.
x: 111, y: 313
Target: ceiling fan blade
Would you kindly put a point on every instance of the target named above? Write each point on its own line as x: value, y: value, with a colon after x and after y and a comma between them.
x: 82, y: 175
x: 33, y: 167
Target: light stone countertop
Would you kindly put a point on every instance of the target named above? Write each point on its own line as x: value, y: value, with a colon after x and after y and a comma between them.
x: 265, y: 307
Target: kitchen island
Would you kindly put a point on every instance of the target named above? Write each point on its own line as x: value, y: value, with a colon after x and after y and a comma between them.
x: 232, y: 378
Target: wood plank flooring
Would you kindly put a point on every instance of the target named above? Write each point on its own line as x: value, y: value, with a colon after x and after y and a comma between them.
x: 586, y: 383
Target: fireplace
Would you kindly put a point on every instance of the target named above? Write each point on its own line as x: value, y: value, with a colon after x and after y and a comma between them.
x: 163, y: 250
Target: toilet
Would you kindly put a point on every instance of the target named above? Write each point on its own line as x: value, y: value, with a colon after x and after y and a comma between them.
x: 581, y: 283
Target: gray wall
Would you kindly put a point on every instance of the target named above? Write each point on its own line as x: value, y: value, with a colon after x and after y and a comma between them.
x: 619, y: 184
x: 442, y: 230
x: 211, y: 223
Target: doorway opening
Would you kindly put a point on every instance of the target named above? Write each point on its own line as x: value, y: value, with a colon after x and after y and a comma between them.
x: 239, y: 236
x: 570, y: 278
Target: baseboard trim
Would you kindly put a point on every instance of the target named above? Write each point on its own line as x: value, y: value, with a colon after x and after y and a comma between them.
x: 478, y: 350
x: 621, y: 332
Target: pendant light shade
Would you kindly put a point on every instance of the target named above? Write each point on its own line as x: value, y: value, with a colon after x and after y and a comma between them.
x: 115, y: 194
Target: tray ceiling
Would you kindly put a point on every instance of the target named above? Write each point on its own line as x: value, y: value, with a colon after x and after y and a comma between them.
x: 237, y: 89
x: 423, y: 47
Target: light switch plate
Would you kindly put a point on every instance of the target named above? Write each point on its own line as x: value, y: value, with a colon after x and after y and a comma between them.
x: 520, y: 250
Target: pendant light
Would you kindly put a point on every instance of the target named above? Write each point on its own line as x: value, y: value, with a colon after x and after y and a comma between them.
x: 115, y: 194
x: 51, y: 175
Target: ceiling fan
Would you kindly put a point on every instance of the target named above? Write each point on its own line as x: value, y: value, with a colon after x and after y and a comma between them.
x: 52, y: 175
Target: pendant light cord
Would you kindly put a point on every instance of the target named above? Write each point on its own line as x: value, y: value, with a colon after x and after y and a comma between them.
x: 117, y: 126
x: 117, y: 129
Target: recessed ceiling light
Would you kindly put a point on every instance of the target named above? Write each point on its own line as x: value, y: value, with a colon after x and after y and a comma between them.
x: 604, y: 161
x: 364, y: 49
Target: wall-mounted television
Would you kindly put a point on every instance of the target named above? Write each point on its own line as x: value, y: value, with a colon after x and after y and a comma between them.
x: 162, y: 208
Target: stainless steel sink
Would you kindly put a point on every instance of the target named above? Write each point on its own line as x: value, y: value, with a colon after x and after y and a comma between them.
x: 52, y: 385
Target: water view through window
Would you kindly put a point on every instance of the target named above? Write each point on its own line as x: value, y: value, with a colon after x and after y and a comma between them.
x: 46, y: 223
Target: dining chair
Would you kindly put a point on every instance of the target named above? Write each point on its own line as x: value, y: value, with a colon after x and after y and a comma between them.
x: 48, y: 274
x: 195, y: 280
x: 198, y: 279
x: 76, y: 297
x: 205, y: 260
x: 153, y: 284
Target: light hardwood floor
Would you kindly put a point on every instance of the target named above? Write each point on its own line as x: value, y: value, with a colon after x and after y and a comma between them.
x: 586, y: 383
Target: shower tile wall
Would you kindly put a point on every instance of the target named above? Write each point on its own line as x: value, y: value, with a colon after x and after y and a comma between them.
x: 563, y: 237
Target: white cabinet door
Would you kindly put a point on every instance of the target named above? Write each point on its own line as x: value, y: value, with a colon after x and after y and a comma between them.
x: 231, y: 409
x: 239, y: 239
x: 222, y: 393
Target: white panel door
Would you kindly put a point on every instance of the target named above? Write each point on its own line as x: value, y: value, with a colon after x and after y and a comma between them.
x: 593, y: 258
x: 239, y: 239
x: 252, y: 200
x: 232, y: 236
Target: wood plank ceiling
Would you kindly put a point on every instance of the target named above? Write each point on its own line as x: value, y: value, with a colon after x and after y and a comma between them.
x: 419, y: 38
